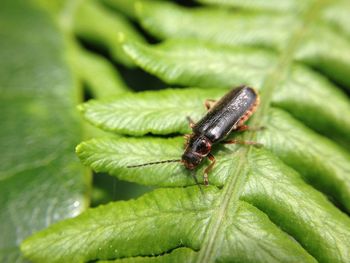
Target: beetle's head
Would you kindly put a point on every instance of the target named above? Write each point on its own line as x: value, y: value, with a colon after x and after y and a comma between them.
x: 198, y: 147
x: 191, y: 160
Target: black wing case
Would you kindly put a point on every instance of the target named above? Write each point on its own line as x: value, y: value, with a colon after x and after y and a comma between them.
x: 226, y: 113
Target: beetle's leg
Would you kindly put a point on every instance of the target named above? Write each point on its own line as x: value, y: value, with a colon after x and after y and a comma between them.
x: 256, y: 144
x: 187, y: 138
x: 190, y: 121
x: 209, y: 103
x: 248, y: 128
x: 209, y: 168
x: 243, y: 128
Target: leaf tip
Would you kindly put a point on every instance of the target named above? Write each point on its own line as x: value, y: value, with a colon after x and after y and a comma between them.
x: 81, y: 107
x: 79, y: 148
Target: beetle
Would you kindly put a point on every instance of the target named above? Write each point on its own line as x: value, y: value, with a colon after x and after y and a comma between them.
x: 223, y: 117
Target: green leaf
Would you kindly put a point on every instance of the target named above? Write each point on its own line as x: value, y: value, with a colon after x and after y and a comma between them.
x: 97, y: 73
x: 108, y: 29
x: 283, y: 202
x: 138, y: 227
x: 309, y: 27
x: 178, y: 255
x: 187, y: 216
x: 162, y: 112
x: 269, y: 185
x: 207, y: 65
x: 335, y: 14
x: 322, y: 163
x: 41, y: 181
x: 125, y: 7
x: 272, y: 5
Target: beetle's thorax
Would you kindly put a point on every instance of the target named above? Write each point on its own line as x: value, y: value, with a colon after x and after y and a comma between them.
x: 197, y: 148
x: 227, y: 114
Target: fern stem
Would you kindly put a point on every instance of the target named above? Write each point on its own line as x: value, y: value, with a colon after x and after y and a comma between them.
x: 234, y: 185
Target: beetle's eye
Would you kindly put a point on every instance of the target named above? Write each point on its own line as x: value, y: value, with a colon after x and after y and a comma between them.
x: 203, y: 147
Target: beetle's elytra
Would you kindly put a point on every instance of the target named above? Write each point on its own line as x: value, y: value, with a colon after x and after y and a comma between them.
x: 224, y: 116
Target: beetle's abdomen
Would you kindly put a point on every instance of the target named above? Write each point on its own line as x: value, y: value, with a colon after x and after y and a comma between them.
x: 226, y: 114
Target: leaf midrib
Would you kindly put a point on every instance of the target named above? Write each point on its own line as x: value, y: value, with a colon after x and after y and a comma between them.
x: 151, y: 110
x: 234, y: 186
x: 131, y: 221
x: 157, y: 214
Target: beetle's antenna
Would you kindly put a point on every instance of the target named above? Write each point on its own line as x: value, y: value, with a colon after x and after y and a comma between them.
x: 152, y: 163
x: 197, y: 183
